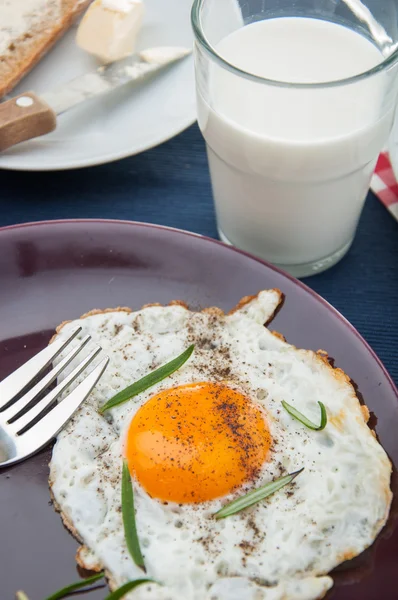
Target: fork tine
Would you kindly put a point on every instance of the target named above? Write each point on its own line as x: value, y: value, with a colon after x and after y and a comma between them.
x: 27, y: 419
x: 16, y: 383
x: 47, y: 428
x: 27, y: 400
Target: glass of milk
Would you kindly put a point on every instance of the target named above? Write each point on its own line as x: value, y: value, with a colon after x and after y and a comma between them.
x: 296, y: 99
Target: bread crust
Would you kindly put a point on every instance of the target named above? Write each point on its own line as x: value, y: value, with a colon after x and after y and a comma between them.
x: 28, y: 54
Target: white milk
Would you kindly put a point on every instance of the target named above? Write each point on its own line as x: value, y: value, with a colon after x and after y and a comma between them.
x: 291, y: 167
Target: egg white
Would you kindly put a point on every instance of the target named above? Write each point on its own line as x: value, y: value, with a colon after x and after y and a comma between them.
x: 280, y: 548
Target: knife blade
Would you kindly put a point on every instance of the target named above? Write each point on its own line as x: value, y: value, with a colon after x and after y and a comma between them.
x: 28, y: 115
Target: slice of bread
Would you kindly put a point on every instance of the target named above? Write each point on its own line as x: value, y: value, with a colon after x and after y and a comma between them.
x: 28, y: 29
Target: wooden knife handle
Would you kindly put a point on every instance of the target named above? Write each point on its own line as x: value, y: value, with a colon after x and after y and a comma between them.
x: 23, y: 118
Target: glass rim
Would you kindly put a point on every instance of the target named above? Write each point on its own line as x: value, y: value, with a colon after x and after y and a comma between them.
x: 201, y: 38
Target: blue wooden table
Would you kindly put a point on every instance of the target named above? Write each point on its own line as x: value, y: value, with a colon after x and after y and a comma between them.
x: 170, y: 185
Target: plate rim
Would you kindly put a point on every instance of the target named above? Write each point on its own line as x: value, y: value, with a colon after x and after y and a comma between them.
x: 97, y: 162
x: 262, y: 262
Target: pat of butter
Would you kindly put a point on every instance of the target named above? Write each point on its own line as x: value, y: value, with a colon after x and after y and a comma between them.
x: 109, y: 28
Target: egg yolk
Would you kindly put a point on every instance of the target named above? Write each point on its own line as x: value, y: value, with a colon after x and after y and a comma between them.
x: 196, y: 442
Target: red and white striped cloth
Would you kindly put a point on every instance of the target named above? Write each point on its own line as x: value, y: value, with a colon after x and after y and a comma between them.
x: 385, y: 185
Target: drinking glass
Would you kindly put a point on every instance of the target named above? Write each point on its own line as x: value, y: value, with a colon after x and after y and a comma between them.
x: 291, y: 153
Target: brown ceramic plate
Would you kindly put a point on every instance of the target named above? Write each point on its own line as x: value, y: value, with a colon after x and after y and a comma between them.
x: 53, y: 271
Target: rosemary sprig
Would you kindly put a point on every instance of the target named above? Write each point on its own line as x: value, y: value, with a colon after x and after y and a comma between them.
x: 116, y: 595
x: 128, y: 512
x: 293, y: 412
x: 127, y: 587
x: 148, y: 381
x: 251, y: 498
x: 84, y: 583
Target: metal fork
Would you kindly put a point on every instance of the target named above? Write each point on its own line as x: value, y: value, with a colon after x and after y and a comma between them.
x: 29, y: 413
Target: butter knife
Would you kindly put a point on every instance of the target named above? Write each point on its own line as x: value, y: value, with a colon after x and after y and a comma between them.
x: 28, y: 115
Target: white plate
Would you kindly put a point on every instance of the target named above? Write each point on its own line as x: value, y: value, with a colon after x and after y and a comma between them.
x: 120, y: 124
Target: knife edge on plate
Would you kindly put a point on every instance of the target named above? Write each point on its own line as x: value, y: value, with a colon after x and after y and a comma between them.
x: 28, y: 115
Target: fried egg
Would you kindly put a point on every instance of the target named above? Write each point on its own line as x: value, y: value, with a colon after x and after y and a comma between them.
x: 204, y: 436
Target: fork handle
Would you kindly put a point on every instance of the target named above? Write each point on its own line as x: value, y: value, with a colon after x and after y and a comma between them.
x: 23, y: 118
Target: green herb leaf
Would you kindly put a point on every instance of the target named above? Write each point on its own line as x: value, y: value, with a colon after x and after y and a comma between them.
x: 148, y: 381
x: 127, y: 587
x: 21, y: 596
x: 128, y: 512
x: 75, y: 586
x: 293, y: 412
x: 253, y: 497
